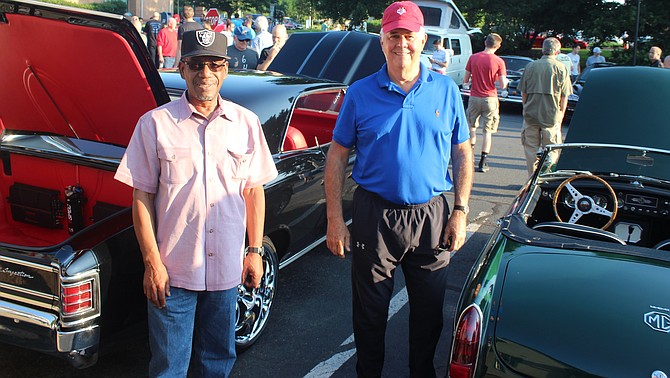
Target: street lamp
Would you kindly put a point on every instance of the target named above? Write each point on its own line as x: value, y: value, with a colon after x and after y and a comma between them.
x: 637, y: 30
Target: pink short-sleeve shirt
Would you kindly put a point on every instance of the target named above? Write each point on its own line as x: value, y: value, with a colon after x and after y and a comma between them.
x: 198, y: 169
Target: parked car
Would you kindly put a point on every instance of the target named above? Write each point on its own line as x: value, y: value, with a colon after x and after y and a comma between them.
x: 580, y: 81
x: 537, y: 43
x: 573, y: 281
x: 515, y: 66
x: 290, y: 24
x: 70, y: 267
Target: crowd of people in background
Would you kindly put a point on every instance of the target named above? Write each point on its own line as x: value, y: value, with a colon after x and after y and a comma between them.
x: 255, y: 42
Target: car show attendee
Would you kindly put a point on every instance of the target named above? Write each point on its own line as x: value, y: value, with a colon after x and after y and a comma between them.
x: 576, y: 60
x: 655, y: 53
x: 279, y: 38
x: 666, y: 62
x: 565, y: 59
x: 545, y: 86
x: 193, y: 201
x: 151, y: 29
x: 595, y: 58
x: 187, y: 24
x: 263, y: 37
x: 483, y: 71
x: 241, y: 55
x: 248, y: 21
x: 138, y: 25
x: 439, y: 61
x: 406, y: 124
x: 167, y: 44
x: 228, y: 31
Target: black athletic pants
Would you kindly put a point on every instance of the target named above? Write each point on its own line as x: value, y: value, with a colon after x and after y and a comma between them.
x: 385, y: 235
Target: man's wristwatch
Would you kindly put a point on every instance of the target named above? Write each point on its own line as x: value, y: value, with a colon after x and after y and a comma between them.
x: 258, y: 250
x: 464, y: 208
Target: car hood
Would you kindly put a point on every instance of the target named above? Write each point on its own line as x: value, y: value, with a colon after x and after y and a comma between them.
x: 72, y: 72
x: 339, y: 56
x: 617, y: 107
x: 578, y: 314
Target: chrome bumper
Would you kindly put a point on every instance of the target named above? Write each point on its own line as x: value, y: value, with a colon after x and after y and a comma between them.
x: 65, y: 341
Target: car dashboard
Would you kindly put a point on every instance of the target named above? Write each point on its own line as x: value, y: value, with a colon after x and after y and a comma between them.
x: 641, y: 217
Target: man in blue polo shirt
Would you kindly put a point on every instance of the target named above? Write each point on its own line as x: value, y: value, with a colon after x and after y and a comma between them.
x: 406, y: 123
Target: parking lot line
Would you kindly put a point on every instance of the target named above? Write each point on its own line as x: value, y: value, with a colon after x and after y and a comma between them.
x: 328, y: 367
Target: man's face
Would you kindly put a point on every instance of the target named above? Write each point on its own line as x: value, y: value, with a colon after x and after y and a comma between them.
x: 654, y: 55
x: 204, y: 76
x: 402, y: 48
x: 279, y: 36
x: 575, y: 50
x: 172, y: 23
x: 241, y: 44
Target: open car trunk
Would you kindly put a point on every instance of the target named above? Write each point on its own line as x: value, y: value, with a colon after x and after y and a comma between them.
x: 67, y: 111
x: 602, y: 310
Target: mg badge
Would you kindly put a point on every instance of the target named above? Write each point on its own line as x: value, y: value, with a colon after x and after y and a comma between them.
x: 658, y: 374
x: 658, y: 321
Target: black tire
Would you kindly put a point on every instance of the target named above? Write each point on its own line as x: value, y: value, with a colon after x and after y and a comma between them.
x: 253, y: 306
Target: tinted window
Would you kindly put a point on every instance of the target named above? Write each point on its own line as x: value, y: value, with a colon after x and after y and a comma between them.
x: 456, y: 46
x: 515, y: 64
x: 431, y: 16
x: 455, y: 22
x: 428, y: 47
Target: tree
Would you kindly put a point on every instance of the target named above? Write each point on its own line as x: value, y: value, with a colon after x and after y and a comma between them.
x: 354, y: 10
x: 518, y: 21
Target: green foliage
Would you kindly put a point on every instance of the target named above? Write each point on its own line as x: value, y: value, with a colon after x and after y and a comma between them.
x: 375, y: 26
x: 116, y: 7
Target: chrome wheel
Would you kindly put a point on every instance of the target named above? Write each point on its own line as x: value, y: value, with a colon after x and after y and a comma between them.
x: 253, y: 306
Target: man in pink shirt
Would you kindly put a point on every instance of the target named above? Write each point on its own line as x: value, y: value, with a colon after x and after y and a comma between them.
x: 484, y: 70
x: 166, y: 42
x: 197, y: 166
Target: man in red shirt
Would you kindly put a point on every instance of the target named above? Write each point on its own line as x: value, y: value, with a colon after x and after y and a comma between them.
x: 166, y: 40
x: 484, y: 70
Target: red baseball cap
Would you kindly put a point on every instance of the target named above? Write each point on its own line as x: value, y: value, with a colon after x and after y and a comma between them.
x: 402, y: 15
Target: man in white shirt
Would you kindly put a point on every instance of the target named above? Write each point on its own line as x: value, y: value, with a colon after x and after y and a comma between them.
x: 263, y: 37
x: 440, y: 60
x: 574, y: 57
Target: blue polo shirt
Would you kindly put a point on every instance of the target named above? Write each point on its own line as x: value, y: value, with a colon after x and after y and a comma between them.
x: 403, y: 141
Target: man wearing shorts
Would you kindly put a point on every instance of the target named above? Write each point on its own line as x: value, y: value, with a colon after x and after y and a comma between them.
x: 483, y: 71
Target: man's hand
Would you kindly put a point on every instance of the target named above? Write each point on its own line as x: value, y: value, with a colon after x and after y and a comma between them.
x: 252, y: 270
x: 454, y: 233
x: 337, y: 237
x: 156, y: 283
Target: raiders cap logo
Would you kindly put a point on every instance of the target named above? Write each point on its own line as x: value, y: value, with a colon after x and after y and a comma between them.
x: 204, y: 37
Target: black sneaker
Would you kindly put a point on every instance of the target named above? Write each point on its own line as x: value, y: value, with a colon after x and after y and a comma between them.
x: 483, y: 167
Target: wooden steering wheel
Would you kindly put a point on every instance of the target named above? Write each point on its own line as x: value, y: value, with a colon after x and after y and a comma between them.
x: 585, y: 204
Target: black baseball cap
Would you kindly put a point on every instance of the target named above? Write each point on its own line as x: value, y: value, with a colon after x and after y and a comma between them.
x: 204, y: 43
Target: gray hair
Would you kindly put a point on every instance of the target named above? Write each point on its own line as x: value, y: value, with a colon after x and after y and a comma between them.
x: 262, y: 23
x: 551, y: 46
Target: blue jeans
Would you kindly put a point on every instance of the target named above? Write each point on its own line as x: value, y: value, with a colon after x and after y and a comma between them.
x: 168, y: 61
x: 201, y: 322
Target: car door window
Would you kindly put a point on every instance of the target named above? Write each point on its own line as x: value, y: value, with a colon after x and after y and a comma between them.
x: 313, y: 120
x: 456, y: 46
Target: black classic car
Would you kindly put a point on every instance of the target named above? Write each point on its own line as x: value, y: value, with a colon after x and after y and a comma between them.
x: 574, y: 280
x: 70, y: 267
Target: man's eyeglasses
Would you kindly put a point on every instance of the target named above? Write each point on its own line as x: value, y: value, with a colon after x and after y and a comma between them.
x: 199, y: 66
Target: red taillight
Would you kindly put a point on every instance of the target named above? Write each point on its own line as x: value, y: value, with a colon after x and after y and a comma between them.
x: 77, y: 297
x: 466, y: 344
